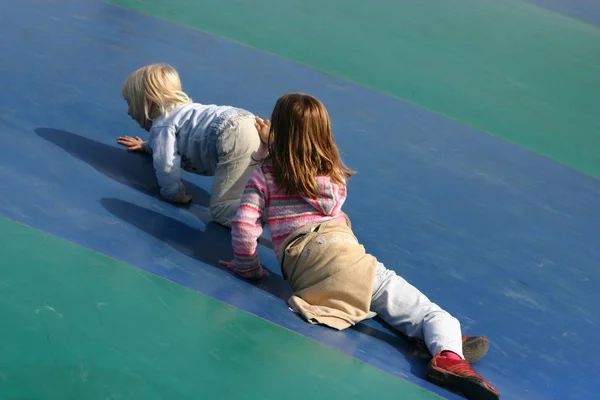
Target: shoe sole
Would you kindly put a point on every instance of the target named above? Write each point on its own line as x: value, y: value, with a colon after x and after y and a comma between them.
x: 469, y: 388
x: 475, y: 348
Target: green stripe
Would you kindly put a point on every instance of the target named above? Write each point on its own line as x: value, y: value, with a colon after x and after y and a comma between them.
x: 510, y: 68
x: 79, y: 325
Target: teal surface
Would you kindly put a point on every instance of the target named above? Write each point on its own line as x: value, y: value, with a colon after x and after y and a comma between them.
x: 80, y: 325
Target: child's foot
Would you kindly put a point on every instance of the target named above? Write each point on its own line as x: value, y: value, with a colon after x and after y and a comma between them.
x: 474, y: 347
x: 458, y: 374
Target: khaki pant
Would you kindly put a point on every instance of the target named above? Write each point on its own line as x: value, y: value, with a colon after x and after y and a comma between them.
x: 238, y: 147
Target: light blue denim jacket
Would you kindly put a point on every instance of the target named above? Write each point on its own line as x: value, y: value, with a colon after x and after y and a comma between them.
x: 187, y: 138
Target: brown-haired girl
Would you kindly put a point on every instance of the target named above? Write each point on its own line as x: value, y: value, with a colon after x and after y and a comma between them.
x: 300, y: 189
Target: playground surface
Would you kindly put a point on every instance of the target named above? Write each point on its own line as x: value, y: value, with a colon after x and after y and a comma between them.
x: 471, y: 124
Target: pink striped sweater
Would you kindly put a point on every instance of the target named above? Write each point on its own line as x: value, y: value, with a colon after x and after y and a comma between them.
x: 284, y: 213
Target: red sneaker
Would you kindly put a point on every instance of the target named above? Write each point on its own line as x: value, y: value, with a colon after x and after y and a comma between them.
x: 474, y: 347
x: 458, y: 374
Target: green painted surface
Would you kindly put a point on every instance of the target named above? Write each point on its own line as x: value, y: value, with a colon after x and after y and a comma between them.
x: 510, y: 68
x: 80, y: 325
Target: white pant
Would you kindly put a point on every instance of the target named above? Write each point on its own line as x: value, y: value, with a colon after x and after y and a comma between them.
x: 238, y: 146
x: 409, y: 311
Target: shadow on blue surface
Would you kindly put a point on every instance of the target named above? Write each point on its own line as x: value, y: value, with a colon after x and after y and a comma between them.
x: 207, y: 246
x: 131, y: 169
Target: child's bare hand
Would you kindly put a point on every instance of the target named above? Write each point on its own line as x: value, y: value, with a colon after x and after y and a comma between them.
x: 185, y: 199
x: 265, y: 273
x: 133, y: 144
x: 230, y: 265
x: 263, y: 127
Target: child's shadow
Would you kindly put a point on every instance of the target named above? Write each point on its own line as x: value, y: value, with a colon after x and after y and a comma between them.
x: 132, y: 169
x: 207, y: 246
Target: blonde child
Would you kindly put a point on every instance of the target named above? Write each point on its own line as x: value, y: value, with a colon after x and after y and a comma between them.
x: 300, y: 188
x: 210, y: 140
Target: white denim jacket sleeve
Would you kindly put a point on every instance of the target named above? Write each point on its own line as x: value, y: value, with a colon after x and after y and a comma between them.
x: 167, y: 162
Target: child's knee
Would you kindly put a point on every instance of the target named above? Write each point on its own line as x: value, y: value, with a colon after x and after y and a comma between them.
x: 223, y: 213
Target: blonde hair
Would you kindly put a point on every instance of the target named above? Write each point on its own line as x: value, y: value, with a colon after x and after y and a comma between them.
x: 302, y: 146
x: 152, y: 91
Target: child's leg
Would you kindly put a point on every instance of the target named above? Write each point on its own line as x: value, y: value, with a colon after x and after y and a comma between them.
x: 408, y: 310
x: 239, y: 143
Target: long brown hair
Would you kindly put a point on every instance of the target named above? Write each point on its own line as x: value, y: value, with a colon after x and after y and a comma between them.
x: 302, y: 145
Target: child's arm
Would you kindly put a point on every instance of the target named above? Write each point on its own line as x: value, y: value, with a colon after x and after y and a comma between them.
x: 167, y: 164
x: 247, y: 227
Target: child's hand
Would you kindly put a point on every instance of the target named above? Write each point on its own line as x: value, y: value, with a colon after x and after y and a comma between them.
x: 133, y: 144
x: 227, y: 264
x: 263, y: 127
x: 230, y: 265
x: 185, y: 199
